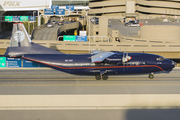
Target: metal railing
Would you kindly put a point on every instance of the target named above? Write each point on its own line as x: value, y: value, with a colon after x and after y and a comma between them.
x: 101, y: 38
x: 94, y: 38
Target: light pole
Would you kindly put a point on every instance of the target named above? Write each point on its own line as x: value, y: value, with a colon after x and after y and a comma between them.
x: 33, y: 19
x: 89, y: 32
x: 39, y: 19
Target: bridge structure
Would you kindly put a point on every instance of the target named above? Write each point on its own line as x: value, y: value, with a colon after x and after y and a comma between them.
x: 167, y: 48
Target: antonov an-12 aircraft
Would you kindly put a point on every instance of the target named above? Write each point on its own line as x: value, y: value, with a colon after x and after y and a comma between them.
x: 98, y: 63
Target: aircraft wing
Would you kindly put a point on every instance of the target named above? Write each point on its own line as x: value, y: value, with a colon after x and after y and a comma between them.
x: 97, y: 51
x: 97, y: 58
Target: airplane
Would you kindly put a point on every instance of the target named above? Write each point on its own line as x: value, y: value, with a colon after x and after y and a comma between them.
x: 98, y: 63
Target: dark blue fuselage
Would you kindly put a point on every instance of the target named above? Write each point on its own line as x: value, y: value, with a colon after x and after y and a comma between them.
x: 81, y: 64
x: 100, y: 63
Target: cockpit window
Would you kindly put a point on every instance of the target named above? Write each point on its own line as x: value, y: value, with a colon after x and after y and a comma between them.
x: 160, y: 58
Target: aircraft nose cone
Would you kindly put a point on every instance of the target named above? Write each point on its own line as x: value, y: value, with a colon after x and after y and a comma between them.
x: 174, y: 63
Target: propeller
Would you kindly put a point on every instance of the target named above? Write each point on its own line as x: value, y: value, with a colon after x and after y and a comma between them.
x: 126, y: 58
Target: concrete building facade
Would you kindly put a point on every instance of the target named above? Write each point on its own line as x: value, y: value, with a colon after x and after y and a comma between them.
x: 142, y: 7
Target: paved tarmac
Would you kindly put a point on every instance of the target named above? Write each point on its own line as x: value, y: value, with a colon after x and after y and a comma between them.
x: 133, y: 31
x: 122, y: 114
x: 124, y: 30
x: 45, y: 81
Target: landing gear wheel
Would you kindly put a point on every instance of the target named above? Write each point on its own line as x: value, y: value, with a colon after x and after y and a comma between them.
x: 98, y: 77
x: 151, y: 76
x: 104, y: 77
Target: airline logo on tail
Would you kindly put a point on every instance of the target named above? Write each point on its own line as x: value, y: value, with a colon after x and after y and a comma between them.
x: 19, y: 36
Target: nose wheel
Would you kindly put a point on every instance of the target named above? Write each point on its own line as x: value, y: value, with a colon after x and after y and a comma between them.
x: 99, y: 77
x: 151, y: 76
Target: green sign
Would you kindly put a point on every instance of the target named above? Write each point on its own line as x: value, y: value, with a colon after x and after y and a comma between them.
x: 8, y: 18
x: 23, y: 18
x: 2, y: 62
x: 69, y: 38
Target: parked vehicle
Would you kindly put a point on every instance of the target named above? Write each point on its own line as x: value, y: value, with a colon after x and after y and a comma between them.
x: 122, y: 20
x: 132, y: 23
x: 73, y: 20
x: 53, y: 22
x: 60, y: 23
x: 95, y: 20
x: 49, y: 25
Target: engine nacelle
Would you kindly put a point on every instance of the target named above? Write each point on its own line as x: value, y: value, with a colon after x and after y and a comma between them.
x: 126, y: 59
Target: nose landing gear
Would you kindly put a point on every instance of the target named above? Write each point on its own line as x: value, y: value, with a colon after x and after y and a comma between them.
x: 99, y: 77
x: 151, y: 76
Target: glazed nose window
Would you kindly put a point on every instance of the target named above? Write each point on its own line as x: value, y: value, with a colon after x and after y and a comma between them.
x: 160, y: 59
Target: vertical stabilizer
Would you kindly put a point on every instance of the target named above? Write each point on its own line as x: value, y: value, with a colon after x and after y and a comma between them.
x: 21, y: 44
x: 19, y: 36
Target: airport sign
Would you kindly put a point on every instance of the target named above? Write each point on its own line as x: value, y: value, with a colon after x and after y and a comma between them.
x: 48, y: 11
x: 70, y: 7
x: 82, y: 33
x: 31, y: 18
x: 54, y: 7
x: 24, y: 18
x: 81, y: 38
x: 27, y: 63
x: 60, y: 12
x: 16, y: 18
x: 13, y: 62
x: 9, y: 18
x: 69, y: 38
x: 2, y: 62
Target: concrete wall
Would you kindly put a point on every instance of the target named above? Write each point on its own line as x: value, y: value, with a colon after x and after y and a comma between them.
x: 6, y: 5
x: 167, y: 7
x: 160, y: 32
x: 1, y: 13
x: 103, y: 28
x: 130, y: 6
x: 107, y: 6
x: 163, y: 7
x: 161, y: 11
x: 117, y: 101
x: 171, y: 50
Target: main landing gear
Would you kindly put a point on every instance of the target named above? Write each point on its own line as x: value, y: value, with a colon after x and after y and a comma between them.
x: 151, y: 76
x: 99, y: 77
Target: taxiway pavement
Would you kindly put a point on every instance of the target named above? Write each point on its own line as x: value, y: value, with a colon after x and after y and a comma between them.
x: 43, y: 81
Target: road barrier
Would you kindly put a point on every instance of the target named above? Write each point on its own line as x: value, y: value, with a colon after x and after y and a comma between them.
x: 106, y: 101
x: 133, y: 46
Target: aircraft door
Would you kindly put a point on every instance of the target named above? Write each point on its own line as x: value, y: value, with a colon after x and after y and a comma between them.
x: 69, y: 61
x: 127, y: 68
x: 144, y: 63
x: 134, y: 65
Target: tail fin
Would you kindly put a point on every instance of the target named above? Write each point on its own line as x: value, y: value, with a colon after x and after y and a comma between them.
x: 19, y: 36
x: 21, y: 44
